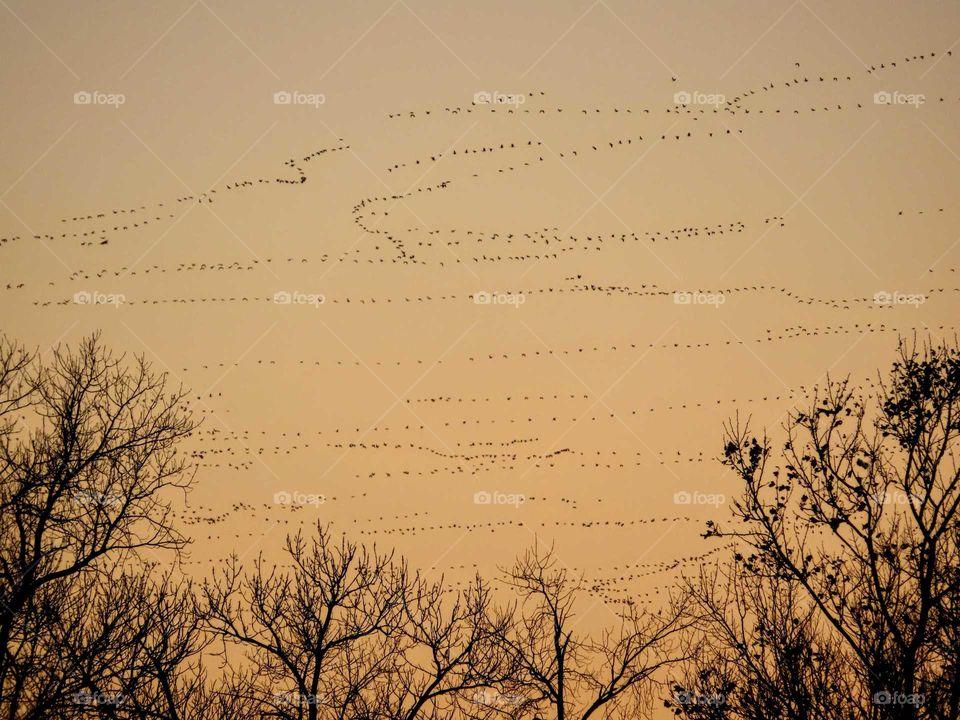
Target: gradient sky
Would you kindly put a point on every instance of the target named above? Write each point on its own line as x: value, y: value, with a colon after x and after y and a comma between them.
x: 588, y: 389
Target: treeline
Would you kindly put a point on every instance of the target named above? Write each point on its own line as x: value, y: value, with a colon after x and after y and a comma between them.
x: 840, y: 600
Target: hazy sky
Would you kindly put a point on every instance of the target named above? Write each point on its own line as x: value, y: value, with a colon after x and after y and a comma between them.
x: 777, y: 164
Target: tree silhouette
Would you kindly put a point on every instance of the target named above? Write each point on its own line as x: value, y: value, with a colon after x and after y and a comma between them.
x: 757, y: 651
x: 841, y: 601
x: 318, y: 635
x: 348, y: 632
x: 450, y: 653
x: 128, y: 646
x: 857, y: 515
x: 567, y: 672
x: 87, y: 463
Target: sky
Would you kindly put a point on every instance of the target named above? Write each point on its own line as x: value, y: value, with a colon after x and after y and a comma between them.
x: 461, y: 277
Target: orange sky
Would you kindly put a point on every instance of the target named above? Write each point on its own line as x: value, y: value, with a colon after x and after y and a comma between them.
x: 586, y: 385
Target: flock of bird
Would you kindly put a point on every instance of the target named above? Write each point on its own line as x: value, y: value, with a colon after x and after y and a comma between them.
x: 534, y: 352
x: 101, y: 226
x: 867, y: 303
x: 489, y: 437
x: 223, y: 448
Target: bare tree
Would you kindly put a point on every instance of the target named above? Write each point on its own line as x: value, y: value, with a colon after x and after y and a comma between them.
x: 87, y: 463
x: 757, y: 651
x: 860, y: 515
x: 319, y: 635
x: 569, y: 672
x: 449, y: 655
x: 119, y: 644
